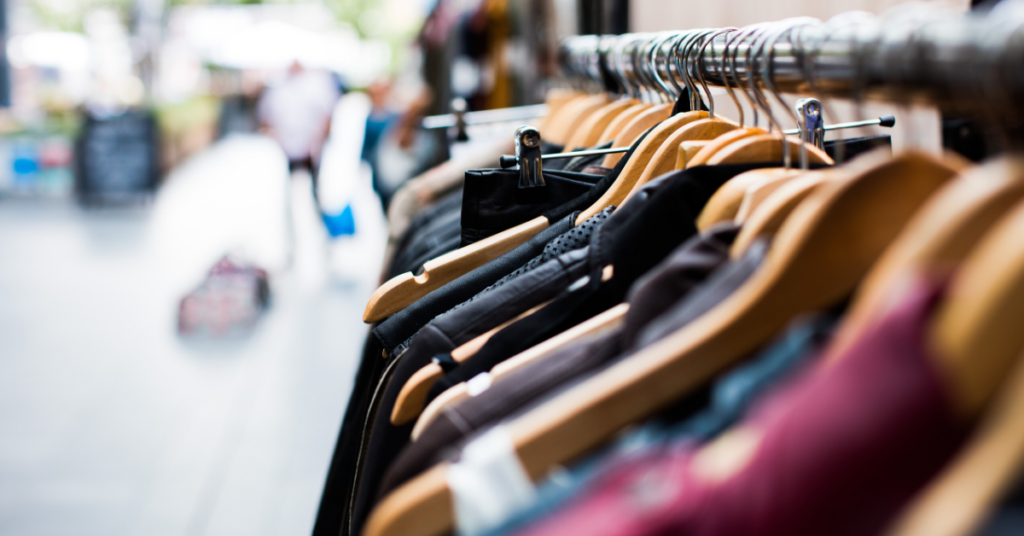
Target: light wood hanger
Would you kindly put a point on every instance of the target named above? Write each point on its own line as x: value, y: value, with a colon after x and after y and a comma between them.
x: 602, y: 323
x: 414, y: 392
x: 404, y: 289
x: 772, y: 213
x: 976, y: 331
x: 818, y: 256
x: 557, y: 128
x: 957, y: 502
x: 664, y: 160
x: 556, y: 99
x: 634, y: 168
x: 411, y: 398
x: 726, y: 201
x: 589, y: 131
x: 937, y: 239
x: 620, y: 121
x: 635, y: 128
x: 687, y: 150
x: 766, y: 148
x: 717, y: 144
x: 977, y: 342
x: 772, y: 180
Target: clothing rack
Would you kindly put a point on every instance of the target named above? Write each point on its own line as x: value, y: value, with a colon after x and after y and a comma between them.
x: 956, y: 62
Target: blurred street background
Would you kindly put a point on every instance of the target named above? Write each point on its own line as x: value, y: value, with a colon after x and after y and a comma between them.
x: 134, y: 156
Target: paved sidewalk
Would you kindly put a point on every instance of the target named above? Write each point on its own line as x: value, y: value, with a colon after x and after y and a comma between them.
x: 112, y: 425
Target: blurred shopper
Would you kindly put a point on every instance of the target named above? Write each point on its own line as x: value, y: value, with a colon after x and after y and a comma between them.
x: 403, y: 149
x: 380, y: 118
x: 297, y: 113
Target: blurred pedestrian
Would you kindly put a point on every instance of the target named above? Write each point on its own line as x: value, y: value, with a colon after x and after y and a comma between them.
x: 297, y: 113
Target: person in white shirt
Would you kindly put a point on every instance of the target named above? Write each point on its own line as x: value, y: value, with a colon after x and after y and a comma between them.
x: 297, y: 113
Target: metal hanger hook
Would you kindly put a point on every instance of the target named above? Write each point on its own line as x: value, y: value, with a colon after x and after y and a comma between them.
x: 700, y: 68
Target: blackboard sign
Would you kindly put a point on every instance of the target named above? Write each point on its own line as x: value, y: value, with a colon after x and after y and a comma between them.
x: 116, y: 157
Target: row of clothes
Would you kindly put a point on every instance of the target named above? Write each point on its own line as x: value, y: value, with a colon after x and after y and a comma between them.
x: 781, y: 443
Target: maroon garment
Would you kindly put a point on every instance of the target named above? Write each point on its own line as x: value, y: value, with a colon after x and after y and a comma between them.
x: 842, y: 448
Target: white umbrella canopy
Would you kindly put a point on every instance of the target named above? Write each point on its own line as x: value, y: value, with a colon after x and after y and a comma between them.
x: 275, y: 45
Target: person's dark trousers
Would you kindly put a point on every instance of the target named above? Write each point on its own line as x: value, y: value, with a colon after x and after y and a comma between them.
x: 314, y: 171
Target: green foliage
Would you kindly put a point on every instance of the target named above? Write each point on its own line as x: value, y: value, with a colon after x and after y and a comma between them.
x: 69, y: 15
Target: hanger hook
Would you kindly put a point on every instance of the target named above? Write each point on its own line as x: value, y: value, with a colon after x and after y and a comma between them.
x: 657, y: 43
x: 768, y: 76
x: 750, y: 69
x: 741, y: 39
x: 640, y: 68
x: 700, y: 67
x: 723, y: 72
x: 678, y: 56
x: 618, y: 52
x: 696, y: 100
x: 670, y: 61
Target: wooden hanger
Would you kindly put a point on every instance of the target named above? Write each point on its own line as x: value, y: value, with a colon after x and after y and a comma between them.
x: 621, y: 121
x: 725, y: 202
x: 556, y: 98
x: 664, y: 160
x: 634, y: 168
x: 957, y: 502
x: 977, y: 341
x: 413, y: 395
x: 590, y: 130
x: 766, y: 148
x: 687, y: 150
x: 976, y: 332
x: 818, y: 256
x: 936, y: 239
x: 721, y: 142
x: 772, y: 179
x: 559, y: 128
x: 404, y: 289
x: 772, y: 213
x: 594, y: 104
x: 411, y: 398
x: 602, y: 323
x: 635, y: 128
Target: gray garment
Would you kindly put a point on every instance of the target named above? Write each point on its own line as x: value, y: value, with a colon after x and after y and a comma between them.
x: 515, y: 300
x: 705, y: 297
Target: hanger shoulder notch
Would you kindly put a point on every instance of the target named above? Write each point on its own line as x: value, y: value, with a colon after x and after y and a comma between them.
x: 404, y: 289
